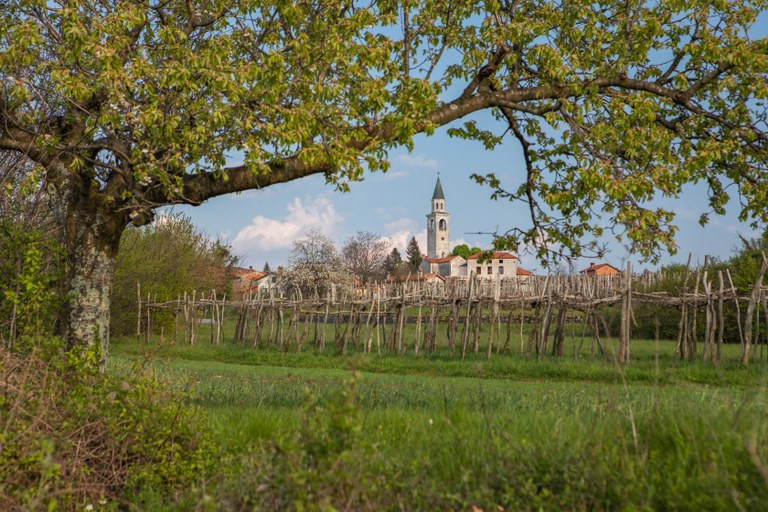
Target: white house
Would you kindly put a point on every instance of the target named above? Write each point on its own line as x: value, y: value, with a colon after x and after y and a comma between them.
x: 502, y: 264
x: 449, y: 266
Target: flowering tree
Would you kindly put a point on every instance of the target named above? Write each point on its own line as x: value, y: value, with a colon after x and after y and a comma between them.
x: 315, y: 265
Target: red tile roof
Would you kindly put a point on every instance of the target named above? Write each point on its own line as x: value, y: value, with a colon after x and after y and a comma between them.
x: 254, y: 275
x: 523, y: 272
x: 247, y: 280
x: 592, y: 267
x: 441, y: 260
x: 496, y: 256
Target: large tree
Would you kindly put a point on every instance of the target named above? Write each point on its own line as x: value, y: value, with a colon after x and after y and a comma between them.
x: 127, y: 106
x: 465, y: 251
x: 393, y: 264
x: 167, y: 258
x: 364, y: 254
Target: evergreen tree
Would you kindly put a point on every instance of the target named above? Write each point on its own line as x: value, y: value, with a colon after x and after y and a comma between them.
x: 393, y: 263
x: 413, y: 254
x: 266, y: 269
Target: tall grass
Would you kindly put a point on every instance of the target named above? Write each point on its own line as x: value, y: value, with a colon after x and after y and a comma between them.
x: 432, y: 433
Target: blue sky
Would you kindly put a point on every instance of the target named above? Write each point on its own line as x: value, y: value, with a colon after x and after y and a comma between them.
x: 261, y: 224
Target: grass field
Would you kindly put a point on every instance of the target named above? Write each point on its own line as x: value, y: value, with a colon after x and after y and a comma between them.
x: 304, y: 431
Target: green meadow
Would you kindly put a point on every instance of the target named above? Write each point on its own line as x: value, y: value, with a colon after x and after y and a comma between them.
x: 318, y: 431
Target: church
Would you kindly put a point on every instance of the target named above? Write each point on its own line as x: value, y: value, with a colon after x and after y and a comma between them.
x: 438, y: 259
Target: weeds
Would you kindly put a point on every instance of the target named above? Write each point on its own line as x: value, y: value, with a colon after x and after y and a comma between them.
x: 71, y: 437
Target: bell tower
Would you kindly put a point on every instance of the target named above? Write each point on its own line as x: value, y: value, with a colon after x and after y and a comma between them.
x: 438, y: 225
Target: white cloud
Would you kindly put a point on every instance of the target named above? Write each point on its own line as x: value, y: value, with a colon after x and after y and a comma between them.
x: 417, y: 161
x: 400, y: 231
x: 265, y: 233
x: 459, y: 241
x: 401, y: 224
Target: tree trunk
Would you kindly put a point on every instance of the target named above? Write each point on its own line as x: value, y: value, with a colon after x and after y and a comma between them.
x: 90, y: 239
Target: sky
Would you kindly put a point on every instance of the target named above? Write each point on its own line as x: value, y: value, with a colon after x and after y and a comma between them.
x: 262, y: 224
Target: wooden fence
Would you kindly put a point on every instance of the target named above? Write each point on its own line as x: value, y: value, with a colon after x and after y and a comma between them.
x: 376, y: 316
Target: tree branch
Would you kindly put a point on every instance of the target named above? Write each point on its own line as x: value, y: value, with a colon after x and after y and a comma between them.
x: 198, y: 188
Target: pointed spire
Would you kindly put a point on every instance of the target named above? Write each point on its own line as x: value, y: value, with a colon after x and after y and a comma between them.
x: 438, y: 194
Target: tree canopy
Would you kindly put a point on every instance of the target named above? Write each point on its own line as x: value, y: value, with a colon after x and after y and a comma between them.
x: 127, y: 106
x: 465, y: 251
x: 167, y: 259
x: 315, y: 265
x: 364, y: 254
x: 393, y: 263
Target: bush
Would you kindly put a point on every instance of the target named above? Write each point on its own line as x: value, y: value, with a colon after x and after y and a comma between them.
x: 30, y: 268
x: 72, y: 437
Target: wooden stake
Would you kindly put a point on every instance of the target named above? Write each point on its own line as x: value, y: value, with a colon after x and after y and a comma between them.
x: 751, y: 310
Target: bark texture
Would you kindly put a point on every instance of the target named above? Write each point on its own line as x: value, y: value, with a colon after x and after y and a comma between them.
x: 90, y: 237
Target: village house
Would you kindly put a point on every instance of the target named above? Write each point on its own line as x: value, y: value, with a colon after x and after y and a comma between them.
x: 601, y: 269
x: 449, y: 266
x: 248, y: 280
x: 523, y: 274
x: 502, y: 264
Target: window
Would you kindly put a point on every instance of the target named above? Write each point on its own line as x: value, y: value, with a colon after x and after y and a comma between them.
x: 431, y: 223
x: 442, y: 224
x: 501, y: 269
x: 501, y: 262
x: 490, y: 270
x: 479, y: 270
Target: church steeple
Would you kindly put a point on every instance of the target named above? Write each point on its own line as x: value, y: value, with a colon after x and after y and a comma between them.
x: 438, y: 225
x: 438, y: 197
x: 438, y: 194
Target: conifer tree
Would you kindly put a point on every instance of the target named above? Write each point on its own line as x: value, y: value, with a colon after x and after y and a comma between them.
x: 413, y: 255
x: 394, y: 263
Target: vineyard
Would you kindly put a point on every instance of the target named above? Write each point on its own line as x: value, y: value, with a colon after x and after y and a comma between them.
x: 477, y: 315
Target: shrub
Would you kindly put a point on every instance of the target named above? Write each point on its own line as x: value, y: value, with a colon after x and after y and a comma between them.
x: 71, y: 436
